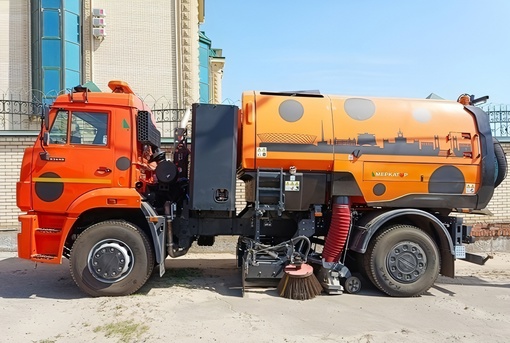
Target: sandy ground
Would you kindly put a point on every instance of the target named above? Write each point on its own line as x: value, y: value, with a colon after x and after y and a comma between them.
x: 199, y: 300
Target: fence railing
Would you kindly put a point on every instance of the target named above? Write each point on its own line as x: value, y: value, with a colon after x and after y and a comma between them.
x: 500, y: 121
x: 18, y: 115
x: 168, y: 119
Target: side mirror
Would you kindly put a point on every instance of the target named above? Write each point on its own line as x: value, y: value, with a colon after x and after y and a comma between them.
x: 46, y: 138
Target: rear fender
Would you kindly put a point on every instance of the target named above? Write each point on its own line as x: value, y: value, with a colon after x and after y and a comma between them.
x: 365, y: 229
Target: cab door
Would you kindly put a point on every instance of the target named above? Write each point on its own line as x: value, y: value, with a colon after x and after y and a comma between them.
x: 78, y: 158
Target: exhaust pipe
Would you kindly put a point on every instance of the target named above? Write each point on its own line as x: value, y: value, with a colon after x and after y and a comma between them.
x: 172, y: 249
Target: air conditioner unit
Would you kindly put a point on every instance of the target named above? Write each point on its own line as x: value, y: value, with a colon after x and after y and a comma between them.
x: 99, y: 32
x: 99, y: 12
x: 98, y: 22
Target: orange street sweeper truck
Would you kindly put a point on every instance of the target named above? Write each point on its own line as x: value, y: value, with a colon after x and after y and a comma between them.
x: 349, y: 185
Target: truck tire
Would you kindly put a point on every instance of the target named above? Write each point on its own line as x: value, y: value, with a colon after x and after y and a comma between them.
x: 501, y: 163
x: 403, y: 261
x: 111, y: 258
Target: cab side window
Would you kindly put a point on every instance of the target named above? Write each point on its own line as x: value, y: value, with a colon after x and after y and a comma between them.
x: 89, y: 128
x: 80, y: 128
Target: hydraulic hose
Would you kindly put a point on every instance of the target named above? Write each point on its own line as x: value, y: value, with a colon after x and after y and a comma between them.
x: 338, y: 230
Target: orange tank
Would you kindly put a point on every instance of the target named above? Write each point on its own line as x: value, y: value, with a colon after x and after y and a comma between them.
x: 384, y: 151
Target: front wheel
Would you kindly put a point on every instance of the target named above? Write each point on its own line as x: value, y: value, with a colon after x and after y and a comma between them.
x: 111, y: 258
x: 403, y: 261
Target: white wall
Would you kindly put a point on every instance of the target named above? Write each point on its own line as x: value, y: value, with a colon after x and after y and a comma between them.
x: 14, y: 48
x: 143, y: 47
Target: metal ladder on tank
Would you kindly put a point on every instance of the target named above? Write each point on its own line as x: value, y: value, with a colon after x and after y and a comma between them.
x: 270, y: 184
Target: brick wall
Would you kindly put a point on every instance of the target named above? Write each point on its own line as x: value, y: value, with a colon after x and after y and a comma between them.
x: 14, y: 48
x: 499, y: 205
x: 11, y: 154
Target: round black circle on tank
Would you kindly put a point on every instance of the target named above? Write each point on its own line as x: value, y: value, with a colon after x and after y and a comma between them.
x: 123, y: 163
x: 447, y: 179
x: 166, y: 171
x: 379, y: 189
x: 49, y: 190
x: 291, y: 110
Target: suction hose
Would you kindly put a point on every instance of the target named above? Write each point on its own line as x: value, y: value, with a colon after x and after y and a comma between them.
x: 338, y: 230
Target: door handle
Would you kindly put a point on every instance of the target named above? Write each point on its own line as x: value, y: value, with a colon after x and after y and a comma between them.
x: 104, y: 170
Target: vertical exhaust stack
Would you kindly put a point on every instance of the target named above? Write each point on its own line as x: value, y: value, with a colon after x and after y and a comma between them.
x: 185, y: 119
x: 181, y: 151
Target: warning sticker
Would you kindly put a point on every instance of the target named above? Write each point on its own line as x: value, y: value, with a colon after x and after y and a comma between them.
x: 292, y: 186
x: 261, y: 152
x: 470, y: 188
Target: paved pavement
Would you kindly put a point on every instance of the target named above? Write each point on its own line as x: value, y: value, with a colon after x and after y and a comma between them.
x: 199, y: 300
x: 8, y: 239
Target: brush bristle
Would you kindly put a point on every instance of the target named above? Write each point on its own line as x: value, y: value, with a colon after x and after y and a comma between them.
x: 299, y: 287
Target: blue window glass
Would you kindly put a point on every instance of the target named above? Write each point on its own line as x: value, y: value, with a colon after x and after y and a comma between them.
x: 72, y: 56
x: 72, y: 5
x: 50, y: 3
x: 72, y: 27
x: 51, y: 82
x: 56, y: 46
x: 203, y: 56
x: 203, y: 74
x: 72, y: 78
x: 51, y: 23
x: 51, y: 52
x: 48, y: 101
x: 204, y: 93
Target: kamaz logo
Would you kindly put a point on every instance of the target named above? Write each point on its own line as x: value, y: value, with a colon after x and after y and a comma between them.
x: 389, y: 174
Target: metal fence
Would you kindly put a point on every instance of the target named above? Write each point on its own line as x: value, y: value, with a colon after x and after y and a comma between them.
x: 500, y: 121
x: 19, y: 115
x: 168, y: 119
x: 16, y: 115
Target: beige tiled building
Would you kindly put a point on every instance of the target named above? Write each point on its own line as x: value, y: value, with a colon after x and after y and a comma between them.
x: 48, y: 46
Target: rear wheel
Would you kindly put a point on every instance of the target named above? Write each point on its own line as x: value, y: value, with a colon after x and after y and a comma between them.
x: 403, y: 261
x: 500, y: 163
x: 111, y: 258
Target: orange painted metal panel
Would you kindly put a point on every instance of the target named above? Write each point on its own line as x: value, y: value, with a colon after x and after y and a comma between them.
x: 25, y: 236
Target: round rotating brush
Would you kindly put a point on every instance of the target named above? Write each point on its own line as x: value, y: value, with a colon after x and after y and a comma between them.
x: 299, y: 282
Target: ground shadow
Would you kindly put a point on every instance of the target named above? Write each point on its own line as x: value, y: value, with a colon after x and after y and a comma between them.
x: 216, y: 275
x: 23, y: 279
x: 219, y: 276
x: 472, y: 281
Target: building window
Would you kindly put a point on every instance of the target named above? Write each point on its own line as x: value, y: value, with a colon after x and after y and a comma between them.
x: 204, y: 49
x: 56, y: 47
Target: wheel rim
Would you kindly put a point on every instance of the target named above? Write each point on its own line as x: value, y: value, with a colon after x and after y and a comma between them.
x: 353, y: 284
x: 110, y: 260
x: 406, y: 262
